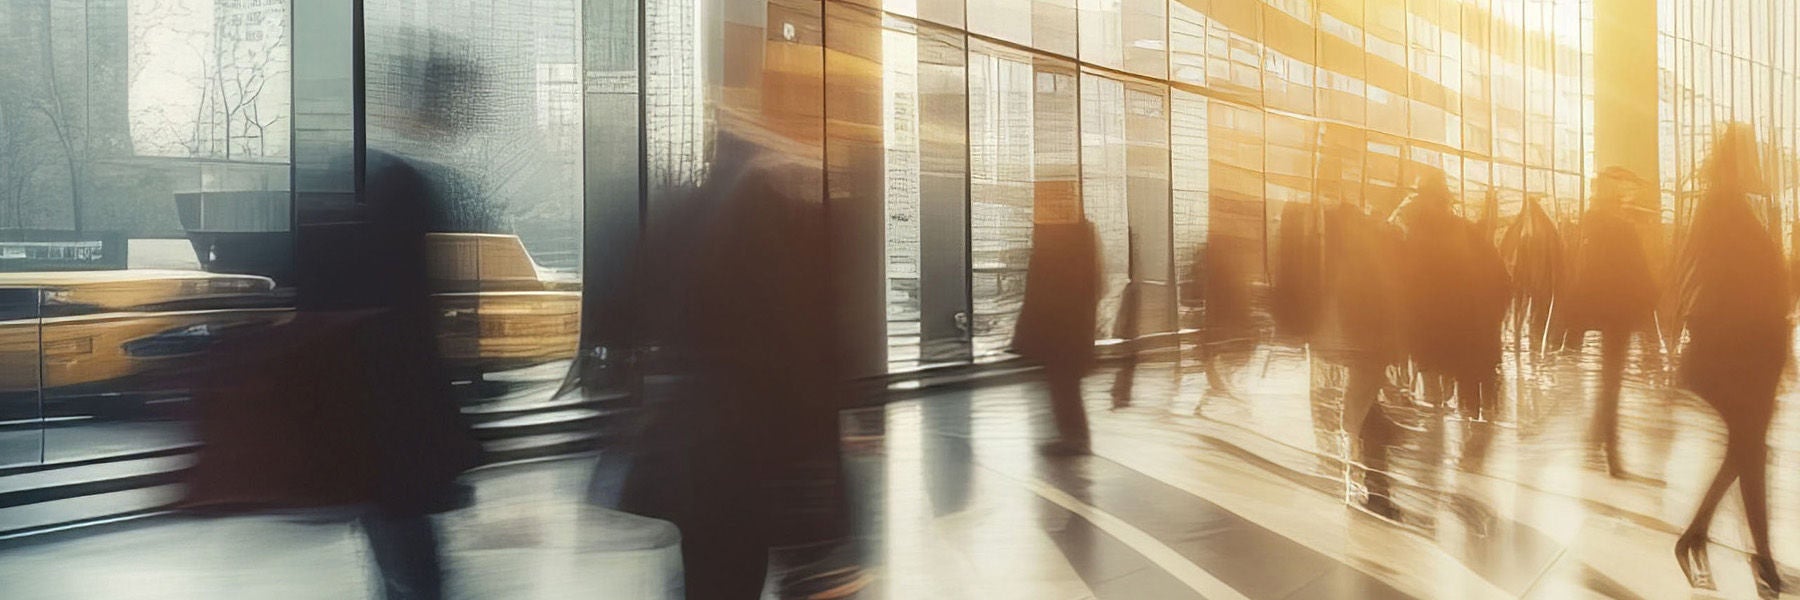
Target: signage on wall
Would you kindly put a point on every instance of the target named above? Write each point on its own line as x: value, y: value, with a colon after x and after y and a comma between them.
x: 37, y: 250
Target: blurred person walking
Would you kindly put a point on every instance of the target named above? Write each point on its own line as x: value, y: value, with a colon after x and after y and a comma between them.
x: 1614, y: 292
x: 1359, y: 328
x: 1125, y: 327
x: 350, y: 402
x: 1533, y: 250
x: 1057, y: 322
x: 738, y: 443
x: 1456, y: 292
x: 1735, y: 303
x: 1226, y: 282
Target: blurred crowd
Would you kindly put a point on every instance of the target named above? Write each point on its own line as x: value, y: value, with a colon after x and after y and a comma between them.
x: 741, y: 374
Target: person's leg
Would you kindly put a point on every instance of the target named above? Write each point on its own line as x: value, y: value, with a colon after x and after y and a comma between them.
x: 1124, y: 380
x: 405, y: 548
x: 1373, y: 435
x: 1065, y: 405
x: 1362, y: 388
x: 1469, y: 396
x: 1690, y: 548
x: 1750, y: 452
x: 1747, y: 448
x: 1615, y: 344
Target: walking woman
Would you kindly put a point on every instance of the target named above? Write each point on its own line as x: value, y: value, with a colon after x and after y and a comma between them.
x: 1735, y: 300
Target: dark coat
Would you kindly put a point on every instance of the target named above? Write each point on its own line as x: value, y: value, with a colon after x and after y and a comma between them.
x: 1295, y: 304
x: 1532, y: 248
x: 1735, y: 299
x: 1613, y: 287
x: 1457, y: 291
x: 284, y: 421
x: 1062, y: 291
x: 1362, y: 268
x: 355, y: 382
x: 733, y: 292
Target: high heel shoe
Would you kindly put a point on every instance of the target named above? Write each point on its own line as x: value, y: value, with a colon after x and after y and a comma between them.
x: 1690, y: 553
x: 1768, y: 578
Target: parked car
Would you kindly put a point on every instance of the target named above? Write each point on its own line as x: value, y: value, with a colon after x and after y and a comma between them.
x: 85, y: 356
x: 83, y: 353
x: 500, y: 309
x: 94, y: 327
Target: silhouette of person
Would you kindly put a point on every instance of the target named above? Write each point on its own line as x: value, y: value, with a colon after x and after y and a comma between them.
x: 739, y: 447
x: 1533, y: 250
x: 1361, y: 259
x: 1224, y: 271
x: 1736, y: 301
x: 1613, y: 292
x: 358, y: 370
x: 1457, y: 291
x: 1126, y: 326
x: 1057, y: 322
x: 1295, y: 302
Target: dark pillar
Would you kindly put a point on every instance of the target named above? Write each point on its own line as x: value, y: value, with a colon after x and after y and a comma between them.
x: 325, y: 109
x: 613, y: 169
x: 856, y: 176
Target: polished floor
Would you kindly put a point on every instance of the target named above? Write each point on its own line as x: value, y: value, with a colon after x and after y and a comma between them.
x: 1202, y: 485
x: 528, y: 535
x: 1228, y: 486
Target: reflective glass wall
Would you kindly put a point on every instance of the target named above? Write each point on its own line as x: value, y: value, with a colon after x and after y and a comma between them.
x: 144, y: 209
x: 1722, y: 62
x: 1196, y: 135
x: 485, y: 100
x: 159, y: 159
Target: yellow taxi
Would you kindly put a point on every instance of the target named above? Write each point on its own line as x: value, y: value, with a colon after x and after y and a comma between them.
x: 500, y: 310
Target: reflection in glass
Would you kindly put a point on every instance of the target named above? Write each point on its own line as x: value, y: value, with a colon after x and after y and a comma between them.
x: 924, y: 150
x: 1190, y: 186
x: 1103, y: 191
x: 1047, y: 25
x: 1187, y: 41
x: 1023, y: 159
x: 1147, y: 189
x: 21, y: 405
x: 142, y: 145
x: 1001, y: 184
x: 519, y: 111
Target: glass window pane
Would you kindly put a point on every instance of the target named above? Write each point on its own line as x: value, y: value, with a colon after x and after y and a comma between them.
x: 1103, y: 190
x: 1191, y: 186
x: 1023, y: 158
x: 152, y: 138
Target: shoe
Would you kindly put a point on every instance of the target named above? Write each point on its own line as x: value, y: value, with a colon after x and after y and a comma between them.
x: 1768, y: 578
x: 831, y: 571
x: 1381, y: 506
x: 1066, y: 448
x: 1614, y: 468
x: 1690, y: 553
x: 833, y: 584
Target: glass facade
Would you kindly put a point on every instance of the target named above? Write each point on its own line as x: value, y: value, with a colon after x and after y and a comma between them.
x: 158, y: 160
x: 1187, y: 131
x: 185, y: 142
x: 144, y: 196
x: 1720, y: 62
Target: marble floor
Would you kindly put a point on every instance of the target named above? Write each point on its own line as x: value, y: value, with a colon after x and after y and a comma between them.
x: 528, y: 535
x: 1215, y: 483
x: 1199, y: 487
